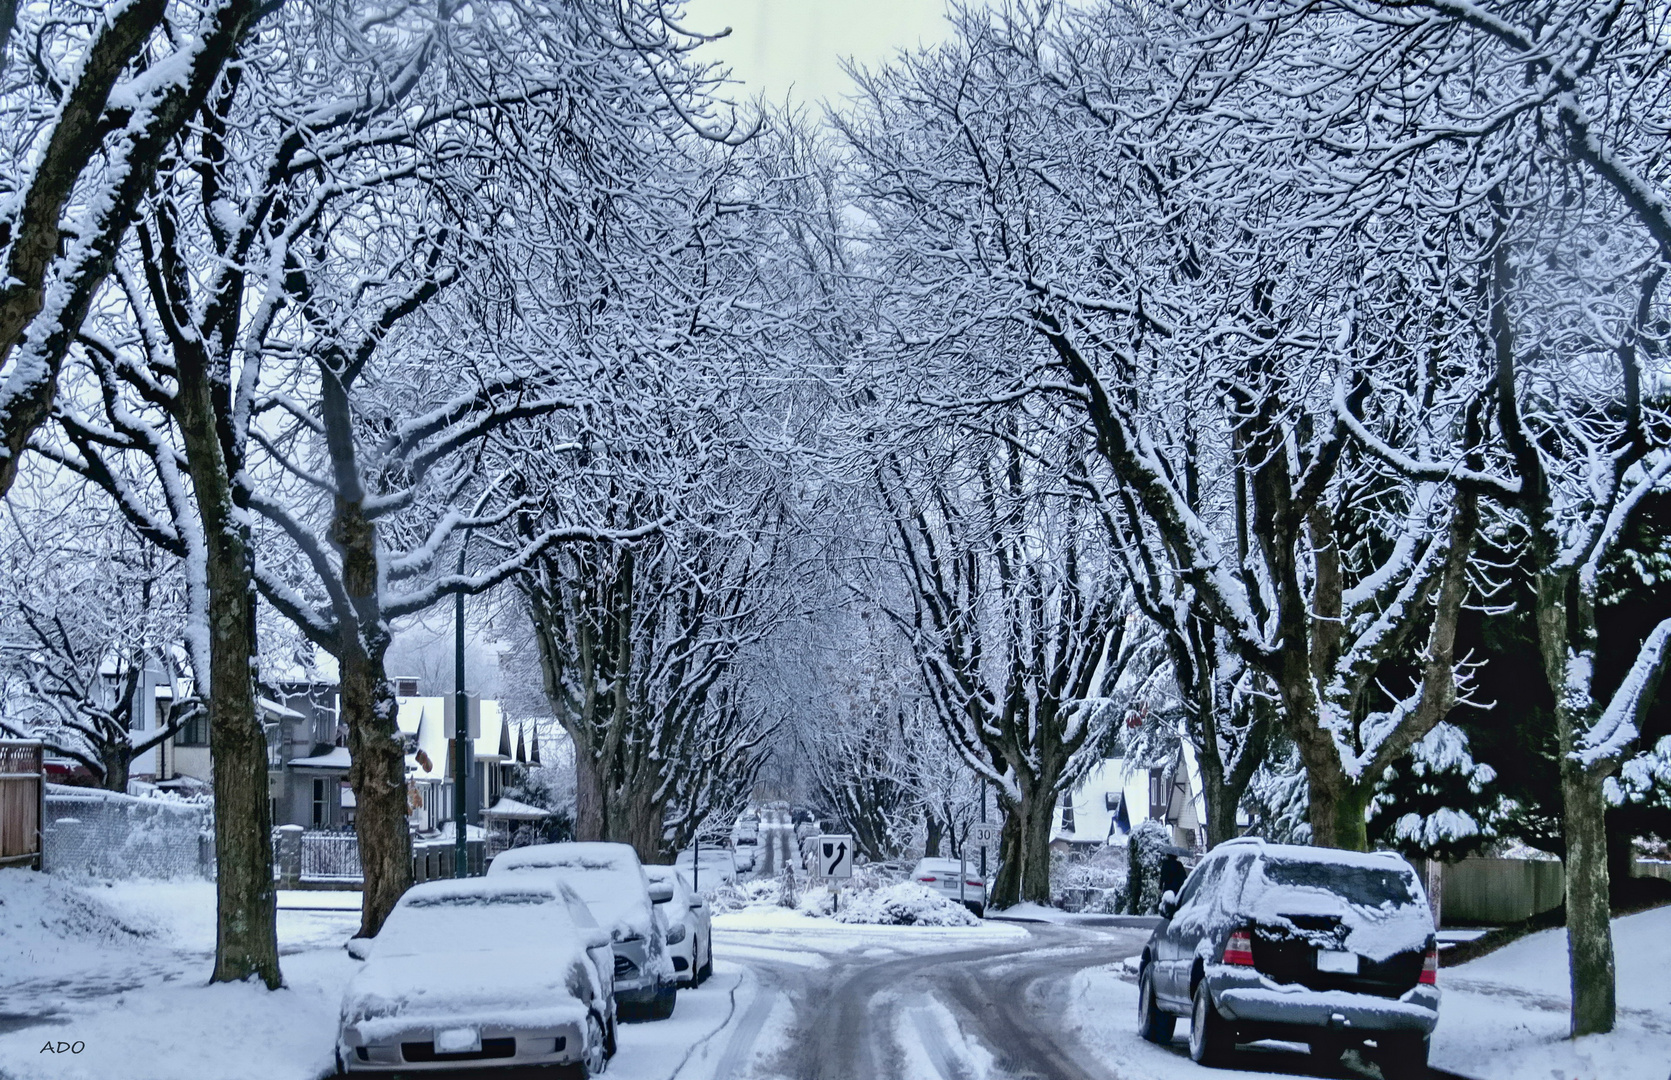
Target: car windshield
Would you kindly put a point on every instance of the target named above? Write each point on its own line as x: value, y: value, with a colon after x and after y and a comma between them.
x: 463, y: 924
x: 1369, y: 886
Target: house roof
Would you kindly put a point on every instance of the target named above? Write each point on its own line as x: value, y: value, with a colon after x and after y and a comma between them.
x: 511, y: 808
x: 1093, y: 818
x: 334, y: 758
x: 426, y: 717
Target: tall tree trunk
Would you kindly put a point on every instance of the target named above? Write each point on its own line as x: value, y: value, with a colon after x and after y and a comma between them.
x: 932, y: 829
x: 588, y: 792
x: 1006, y: 887
x: 1036, y: 812
x: 377, y: 774
x: 246, y: 940
x: 1566, y: 638
x: 376, y: 754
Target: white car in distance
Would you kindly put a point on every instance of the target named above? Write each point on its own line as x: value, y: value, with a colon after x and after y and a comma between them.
x: 690, y: 935
x: 480, y: 972
x: 954, y: 880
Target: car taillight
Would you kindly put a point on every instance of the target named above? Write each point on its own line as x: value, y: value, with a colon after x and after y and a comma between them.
x: 928, y: 879
x: 1430, y: 967
x: 975, y: 884
x: 1239, y: 949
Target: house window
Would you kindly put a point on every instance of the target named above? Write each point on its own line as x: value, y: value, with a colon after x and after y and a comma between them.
x: 194, y: 732
x: 1067, y: 811
x: 319, y: 810
x: 1157, y: 794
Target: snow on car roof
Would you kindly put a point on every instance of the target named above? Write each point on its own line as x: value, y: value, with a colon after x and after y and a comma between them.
x: 478, y: 915
x: 608, y: 877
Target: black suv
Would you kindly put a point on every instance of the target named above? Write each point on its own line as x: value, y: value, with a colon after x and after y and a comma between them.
x: 1269, y: 941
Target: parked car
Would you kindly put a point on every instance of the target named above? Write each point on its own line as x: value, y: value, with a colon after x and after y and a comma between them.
x: 690, y: 935
x: 611, y: 880
x: 1269, y: 941
x: 746, y: 832
x: 718, y: 867
x: 954, y: 881
x: 481, y: 972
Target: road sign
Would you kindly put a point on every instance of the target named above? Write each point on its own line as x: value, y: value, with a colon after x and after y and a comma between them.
x: 835, y: 855
x: 984, y: 834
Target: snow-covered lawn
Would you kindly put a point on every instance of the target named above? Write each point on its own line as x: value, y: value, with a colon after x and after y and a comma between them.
x: 1503, y: 1017
x: 121, y: 970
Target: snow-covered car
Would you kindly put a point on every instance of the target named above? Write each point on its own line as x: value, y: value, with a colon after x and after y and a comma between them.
x: 718, y: 866
x: 690, y: 935
x: 481, y: 972
x: 954, y: 880
x: 611, y: 880
x: 1269, y: 941
x: 746, y: 832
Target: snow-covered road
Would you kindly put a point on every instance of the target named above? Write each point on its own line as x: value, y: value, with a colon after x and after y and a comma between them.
x: 120, y: 972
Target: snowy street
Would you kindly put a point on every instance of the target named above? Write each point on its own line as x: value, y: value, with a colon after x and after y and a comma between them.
x: 121, y: 970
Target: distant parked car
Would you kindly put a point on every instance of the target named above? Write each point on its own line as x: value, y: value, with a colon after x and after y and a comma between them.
x: 611, y: 880
x: 718, y: 867
x: 1268, y: 941
x: 481, y: 971
x: 746, y: 832
x: 947, y: 877
x: 690, y: 935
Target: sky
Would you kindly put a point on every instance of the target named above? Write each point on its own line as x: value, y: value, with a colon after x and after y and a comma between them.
x: 795, y: 47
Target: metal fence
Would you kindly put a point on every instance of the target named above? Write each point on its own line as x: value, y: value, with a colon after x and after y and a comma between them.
x: 21, y: 787
x: 330, y: 856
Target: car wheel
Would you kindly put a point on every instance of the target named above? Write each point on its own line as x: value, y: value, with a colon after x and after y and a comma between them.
x: 1155, y: 1023
x: 1402, y: 1056
x: 1211, y: 1038
x: 662, y: 1007
x: 1328, y: 1050
x: 707, y: 968
x: 609, y: 1042
x: 596, y: 1060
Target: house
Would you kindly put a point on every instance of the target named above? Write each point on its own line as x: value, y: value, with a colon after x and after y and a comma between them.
x: 1114, y: 796
x: 314, y: 791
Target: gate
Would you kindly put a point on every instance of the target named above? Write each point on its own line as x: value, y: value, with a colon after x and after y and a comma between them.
x: 328, y: 856
x: 22, y: 787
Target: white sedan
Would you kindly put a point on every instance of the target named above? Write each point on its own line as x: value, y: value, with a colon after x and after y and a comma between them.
x: 479, y: 972
x: 690, y: 935
x: 954, y: 881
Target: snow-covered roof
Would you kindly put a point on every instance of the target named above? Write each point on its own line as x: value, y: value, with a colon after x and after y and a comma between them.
x: 1093, y: 817
x: 426, y: 717
x: 267, y: 705
x: 334, y: 758
x: 511, y: 808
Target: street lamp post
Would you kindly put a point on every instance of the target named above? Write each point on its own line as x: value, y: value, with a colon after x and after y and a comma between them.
x: 461, y: 732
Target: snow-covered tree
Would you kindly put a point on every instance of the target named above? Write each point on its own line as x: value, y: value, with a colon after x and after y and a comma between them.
x: 93, y: 98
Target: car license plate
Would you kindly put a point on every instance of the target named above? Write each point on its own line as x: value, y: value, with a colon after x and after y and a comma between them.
x: 458, y: 1041
x: 1344, y: 963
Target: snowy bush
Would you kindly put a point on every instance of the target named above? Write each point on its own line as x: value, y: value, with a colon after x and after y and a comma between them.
x: 904, y: 904
x: 1094, y: 883
x: 1645, y: 779
x: 740, y: 895
x: 1144, y: 852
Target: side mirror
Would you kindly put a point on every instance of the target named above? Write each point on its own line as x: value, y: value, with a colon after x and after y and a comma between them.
x: 1168, y: 904
x: 660, y: 892
x: 359, y: 948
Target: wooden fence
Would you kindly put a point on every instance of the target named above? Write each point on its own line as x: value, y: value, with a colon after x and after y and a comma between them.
x: 22, y: 786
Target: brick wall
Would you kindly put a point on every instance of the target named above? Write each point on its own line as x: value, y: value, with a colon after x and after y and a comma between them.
x: 101, y: 834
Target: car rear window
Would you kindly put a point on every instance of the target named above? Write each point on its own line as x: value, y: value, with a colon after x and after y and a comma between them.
x: 1365, y: 885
